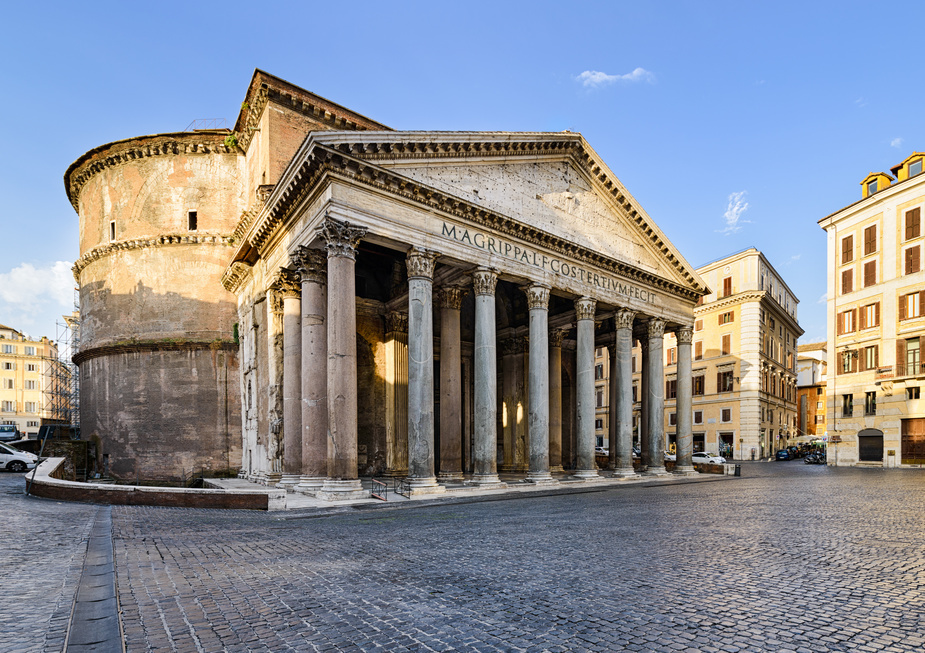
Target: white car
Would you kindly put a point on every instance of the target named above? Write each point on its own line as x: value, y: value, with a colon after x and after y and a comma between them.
x: 704, y: 457
x: 15, y: 460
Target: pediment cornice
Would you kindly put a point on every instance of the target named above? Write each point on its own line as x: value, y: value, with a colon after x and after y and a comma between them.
x: 359, y: 160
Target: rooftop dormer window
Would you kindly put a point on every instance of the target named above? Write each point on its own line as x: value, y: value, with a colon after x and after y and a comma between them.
x: 915, y: 168
x: 872, y: 187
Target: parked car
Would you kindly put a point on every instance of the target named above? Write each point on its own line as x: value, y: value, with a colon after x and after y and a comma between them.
x: 783, y: 454
x: 670, y: 456
x: 706, y: 457
x: 9, y: 432
x: 602, y: 450
x: 15, y: 460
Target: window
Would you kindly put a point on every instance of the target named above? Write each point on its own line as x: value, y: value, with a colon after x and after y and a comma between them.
x: 599, y: 424
x: 771, y: 416
x: 30, y: 367
x: 872, y: 187
x: 727, y: 286
x: 598, y: 353
x: 600, y: 398
x: 726, y: 415
x: 698, y: 416
x: 599, y: 371
x: 870, y: 315
x: 192, y: 220
x: 30, y: 406
x: 870, y: 403
x: 820, y: 419
x: 870, y: 239
x: 32, y: 423
x: 724, y: 381
x: 9, y: 366
x: 672, y: 419
x: 818, y: 391
x: 9, y: 349
x: 870, y: 273
x: 30, y: 351
x: 671, y: 389
x: 698, y: 325
x: 112, y: 230
x: 912, y: 260
x: 910, y: 305
x: 7, y: 384
x: 698, y: 350
x: 633, y: 365
x: 727, y: 318
x: 909, y: 356
x: 848, y: 362
x: 672, y: 355
x: 727, y: 343
x: 847, y: 281
x: 913, y: 392
x: 913, y: 224
x: 871, y: 358
x: 915, y: 168
x: 635, y: 391
x: 30, y: 384
x: 846, y: 321
x: 847, y: 249
x: 847, y: 405
x: 819, y: 405
x: 8, y: 407
x: 698, y: 385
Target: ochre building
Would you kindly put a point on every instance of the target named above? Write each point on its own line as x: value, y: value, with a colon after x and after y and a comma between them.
x: 371, y: 302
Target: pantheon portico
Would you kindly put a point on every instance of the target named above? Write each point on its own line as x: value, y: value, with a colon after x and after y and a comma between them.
x: 427, y: 305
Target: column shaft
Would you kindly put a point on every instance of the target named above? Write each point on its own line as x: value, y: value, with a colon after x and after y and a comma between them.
x: 451, y: 390
x: 538, y: 385
x: 683, y: 464
x: 584, y: 312
x: 313, y: 270
x: 655, y: 431
x: 555, y: 400
x: 485, y: 466
x: 292, y: 381
x: 623, y: 382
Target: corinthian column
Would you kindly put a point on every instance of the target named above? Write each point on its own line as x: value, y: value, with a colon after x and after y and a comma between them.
x: 450, y: 384
x: 421, y: 372
x: 485, y: 466
x: 684, y: 464
x: 312, y: 266
x: 538, y: 385
x: 622, y: 380
x: 655, y: 431
x: 342, y: 482
x: 289, y: 288
x: 584, y: 390
x: 555, y: 399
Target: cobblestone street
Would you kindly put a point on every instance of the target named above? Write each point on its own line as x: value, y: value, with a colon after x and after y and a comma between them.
x: 790, y: 557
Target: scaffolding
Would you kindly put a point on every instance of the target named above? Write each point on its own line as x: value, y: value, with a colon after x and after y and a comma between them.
x: 62, y: 391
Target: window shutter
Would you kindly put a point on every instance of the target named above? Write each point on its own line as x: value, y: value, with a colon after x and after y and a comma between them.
x: 847, y: 249
x: 846, y: 285
x: 862, y: 356
x: 902, y: 307
x: 916, y: 259
x: 870, y: 239
x: 913, y: 222
x: 870, y: 273
x: 876, y: 356
x: 900, y: 356
x: 841, y: 324
x: 876, y: 314
x: 719, y: 382
x: 854, y: 319
x: 854, y: 361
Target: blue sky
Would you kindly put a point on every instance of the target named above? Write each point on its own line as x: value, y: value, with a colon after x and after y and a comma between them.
x: 734, y: 124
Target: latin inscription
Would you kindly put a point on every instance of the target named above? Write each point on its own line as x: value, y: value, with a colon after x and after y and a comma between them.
x: 555, y: 265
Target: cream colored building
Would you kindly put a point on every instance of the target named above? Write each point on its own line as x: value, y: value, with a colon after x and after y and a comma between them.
x: 876, y: 325
x: 812, y: 368
x: 26, y: 380
x: 744, y: 364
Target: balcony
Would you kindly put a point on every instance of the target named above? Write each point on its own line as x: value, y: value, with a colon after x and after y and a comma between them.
x: 915, y: 369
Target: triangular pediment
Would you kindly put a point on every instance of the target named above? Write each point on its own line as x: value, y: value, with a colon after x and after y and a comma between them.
x: 553, y: 182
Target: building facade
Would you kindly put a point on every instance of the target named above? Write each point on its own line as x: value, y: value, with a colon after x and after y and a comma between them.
x: 812, y: 367
x: 29, y: 374
x: 415, y: 304
x: 876, y: 324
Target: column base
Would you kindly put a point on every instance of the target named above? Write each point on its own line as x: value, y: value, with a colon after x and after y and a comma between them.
x: 450, y: 476
x: 288, y: 482
x: 310, y: 484
x: 686, y: 470
x: 486, y: 482
x: 341, y: 490
x: 556, y: 469
x: 625, y: 472
x: 271, y: 478
x: 586, y: 474
x: 541, y: 478
x: 428, y: 485
x: 657, y: 471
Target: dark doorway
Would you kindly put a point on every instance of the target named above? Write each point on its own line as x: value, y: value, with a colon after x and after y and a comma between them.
x: 870, y: 445
x: 913, y: 442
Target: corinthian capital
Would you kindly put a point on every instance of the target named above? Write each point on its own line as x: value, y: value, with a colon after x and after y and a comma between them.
x: 537, y: 295
x: 556, y: 336
x: 342, y: 238
x: 584, y: 308
x: 484, y: 281
x: 656, y: 327
x: 311, y: 264
x: 685, y: 335
x: 287, y: 284
x: 452, y: 297
x: 421, y: 263
x: 623, y: 318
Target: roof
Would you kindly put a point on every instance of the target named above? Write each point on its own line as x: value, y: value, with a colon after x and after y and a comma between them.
x: 812, y: 346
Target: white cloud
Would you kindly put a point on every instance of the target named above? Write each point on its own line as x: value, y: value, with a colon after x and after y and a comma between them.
x: 896, y: 142
x: 861, y: 102
x: 595, y: 78
x: 31, y: 296
x: 823, y: 299
x: 793, y: 259
x: 734, y: 210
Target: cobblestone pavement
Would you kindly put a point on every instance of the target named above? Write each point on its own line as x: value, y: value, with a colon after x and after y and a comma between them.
x: 42, y: 548
x: 790, y: 557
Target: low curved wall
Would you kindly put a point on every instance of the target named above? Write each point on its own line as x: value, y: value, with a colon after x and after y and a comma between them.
x: 45, y: 484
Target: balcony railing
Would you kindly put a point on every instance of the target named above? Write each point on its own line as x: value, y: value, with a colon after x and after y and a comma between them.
x: 902, y: 369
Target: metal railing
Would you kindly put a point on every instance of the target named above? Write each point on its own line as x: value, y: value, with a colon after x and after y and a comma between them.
x: 914, y: 369
x: 379, y: 490
x: 402, y: 487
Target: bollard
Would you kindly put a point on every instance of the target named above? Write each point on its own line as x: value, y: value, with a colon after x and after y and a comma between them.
x: 738, y: 470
